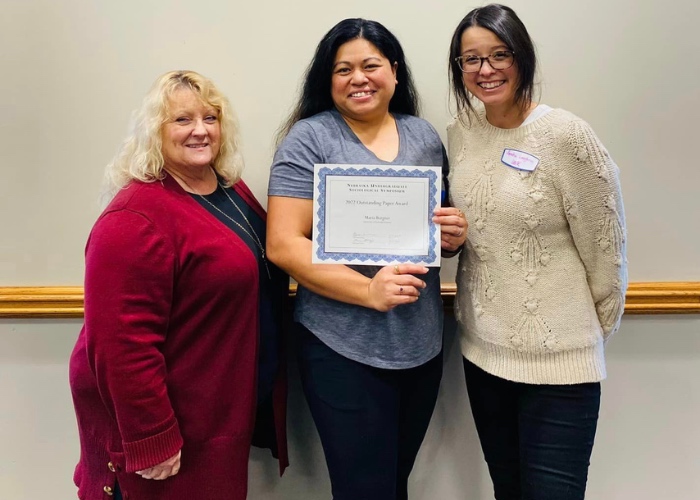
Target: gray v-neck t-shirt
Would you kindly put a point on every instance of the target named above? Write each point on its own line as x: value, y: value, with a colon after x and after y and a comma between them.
x: 408, y: 335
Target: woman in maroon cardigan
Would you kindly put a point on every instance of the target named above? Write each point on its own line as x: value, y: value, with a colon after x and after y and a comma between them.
x: 181, y: 309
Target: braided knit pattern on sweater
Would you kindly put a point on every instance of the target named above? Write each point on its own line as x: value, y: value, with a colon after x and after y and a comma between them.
x: 541, y: 281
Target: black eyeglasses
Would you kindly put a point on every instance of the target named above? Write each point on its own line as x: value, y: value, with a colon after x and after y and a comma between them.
x: 500, y: 59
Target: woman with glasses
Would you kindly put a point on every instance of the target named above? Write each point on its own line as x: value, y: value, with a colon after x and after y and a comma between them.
x: 369, y: 338
x: 542, y: 277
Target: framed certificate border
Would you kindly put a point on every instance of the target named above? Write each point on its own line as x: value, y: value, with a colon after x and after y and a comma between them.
x: 365, y: 172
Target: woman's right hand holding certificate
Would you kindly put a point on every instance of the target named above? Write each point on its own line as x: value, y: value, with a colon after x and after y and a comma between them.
x: 395, y: 285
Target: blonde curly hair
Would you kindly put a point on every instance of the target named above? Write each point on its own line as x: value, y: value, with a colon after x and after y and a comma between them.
x: 140, y: 156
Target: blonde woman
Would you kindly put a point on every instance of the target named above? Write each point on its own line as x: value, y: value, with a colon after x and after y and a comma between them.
x: 179, y: 301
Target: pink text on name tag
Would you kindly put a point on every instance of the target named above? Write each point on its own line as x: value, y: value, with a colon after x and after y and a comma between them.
x: 520, y: 160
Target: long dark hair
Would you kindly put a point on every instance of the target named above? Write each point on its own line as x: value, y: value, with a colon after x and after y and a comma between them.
x: 316, y: 92
x: 503, y: 22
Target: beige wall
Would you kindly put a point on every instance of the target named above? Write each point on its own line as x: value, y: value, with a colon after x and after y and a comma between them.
x: 72, y: 71
x: 646, y: 448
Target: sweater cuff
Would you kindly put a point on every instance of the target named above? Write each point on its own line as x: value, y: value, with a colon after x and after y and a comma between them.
x: 153, y: 450
x: 610, y: 311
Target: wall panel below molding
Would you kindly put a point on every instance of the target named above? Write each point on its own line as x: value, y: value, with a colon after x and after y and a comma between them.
x: 665, y: 297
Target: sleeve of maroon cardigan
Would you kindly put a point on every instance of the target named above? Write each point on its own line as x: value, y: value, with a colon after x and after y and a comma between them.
x: 129, y: 280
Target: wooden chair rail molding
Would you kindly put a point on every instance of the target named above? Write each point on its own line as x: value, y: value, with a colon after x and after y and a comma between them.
x: 673, y: 297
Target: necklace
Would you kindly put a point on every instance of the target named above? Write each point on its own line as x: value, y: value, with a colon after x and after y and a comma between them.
x: 251, y: 234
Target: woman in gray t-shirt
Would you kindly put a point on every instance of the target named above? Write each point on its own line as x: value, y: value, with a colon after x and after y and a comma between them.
x: 369, y: 338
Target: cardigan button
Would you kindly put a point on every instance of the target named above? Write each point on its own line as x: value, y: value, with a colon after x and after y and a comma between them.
x: 108, y: 490
x: 110, y: 465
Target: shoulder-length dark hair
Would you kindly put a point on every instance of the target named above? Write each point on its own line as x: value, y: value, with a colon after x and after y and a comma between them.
x: 503, y: 22
x: 316, y: 91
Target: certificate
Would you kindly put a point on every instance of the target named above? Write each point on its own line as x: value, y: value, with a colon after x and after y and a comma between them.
x: 376, y: 215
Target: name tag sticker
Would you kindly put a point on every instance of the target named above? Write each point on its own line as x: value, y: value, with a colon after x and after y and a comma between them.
x: 520, y: 160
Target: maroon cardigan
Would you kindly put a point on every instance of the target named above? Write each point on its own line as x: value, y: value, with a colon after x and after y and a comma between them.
x: 167, y: 357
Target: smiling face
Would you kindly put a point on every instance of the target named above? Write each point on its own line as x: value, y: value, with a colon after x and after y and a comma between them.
x: 495, y: 88
x: 192, y: 133
x: 363, y: 81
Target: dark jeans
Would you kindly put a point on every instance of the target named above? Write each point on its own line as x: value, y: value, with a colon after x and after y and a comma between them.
x: 371, y: 421
x: 537, y: 439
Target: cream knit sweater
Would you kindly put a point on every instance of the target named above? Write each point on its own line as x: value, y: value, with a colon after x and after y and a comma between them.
x: 542, y: 278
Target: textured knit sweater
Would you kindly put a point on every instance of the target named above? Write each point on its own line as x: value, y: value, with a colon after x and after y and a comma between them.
x: 542, y: 278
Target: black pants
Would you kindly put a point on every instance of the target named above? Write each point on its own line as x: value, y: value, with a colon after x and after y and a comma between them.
x: 371, y: 421
x: 537, y: 439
